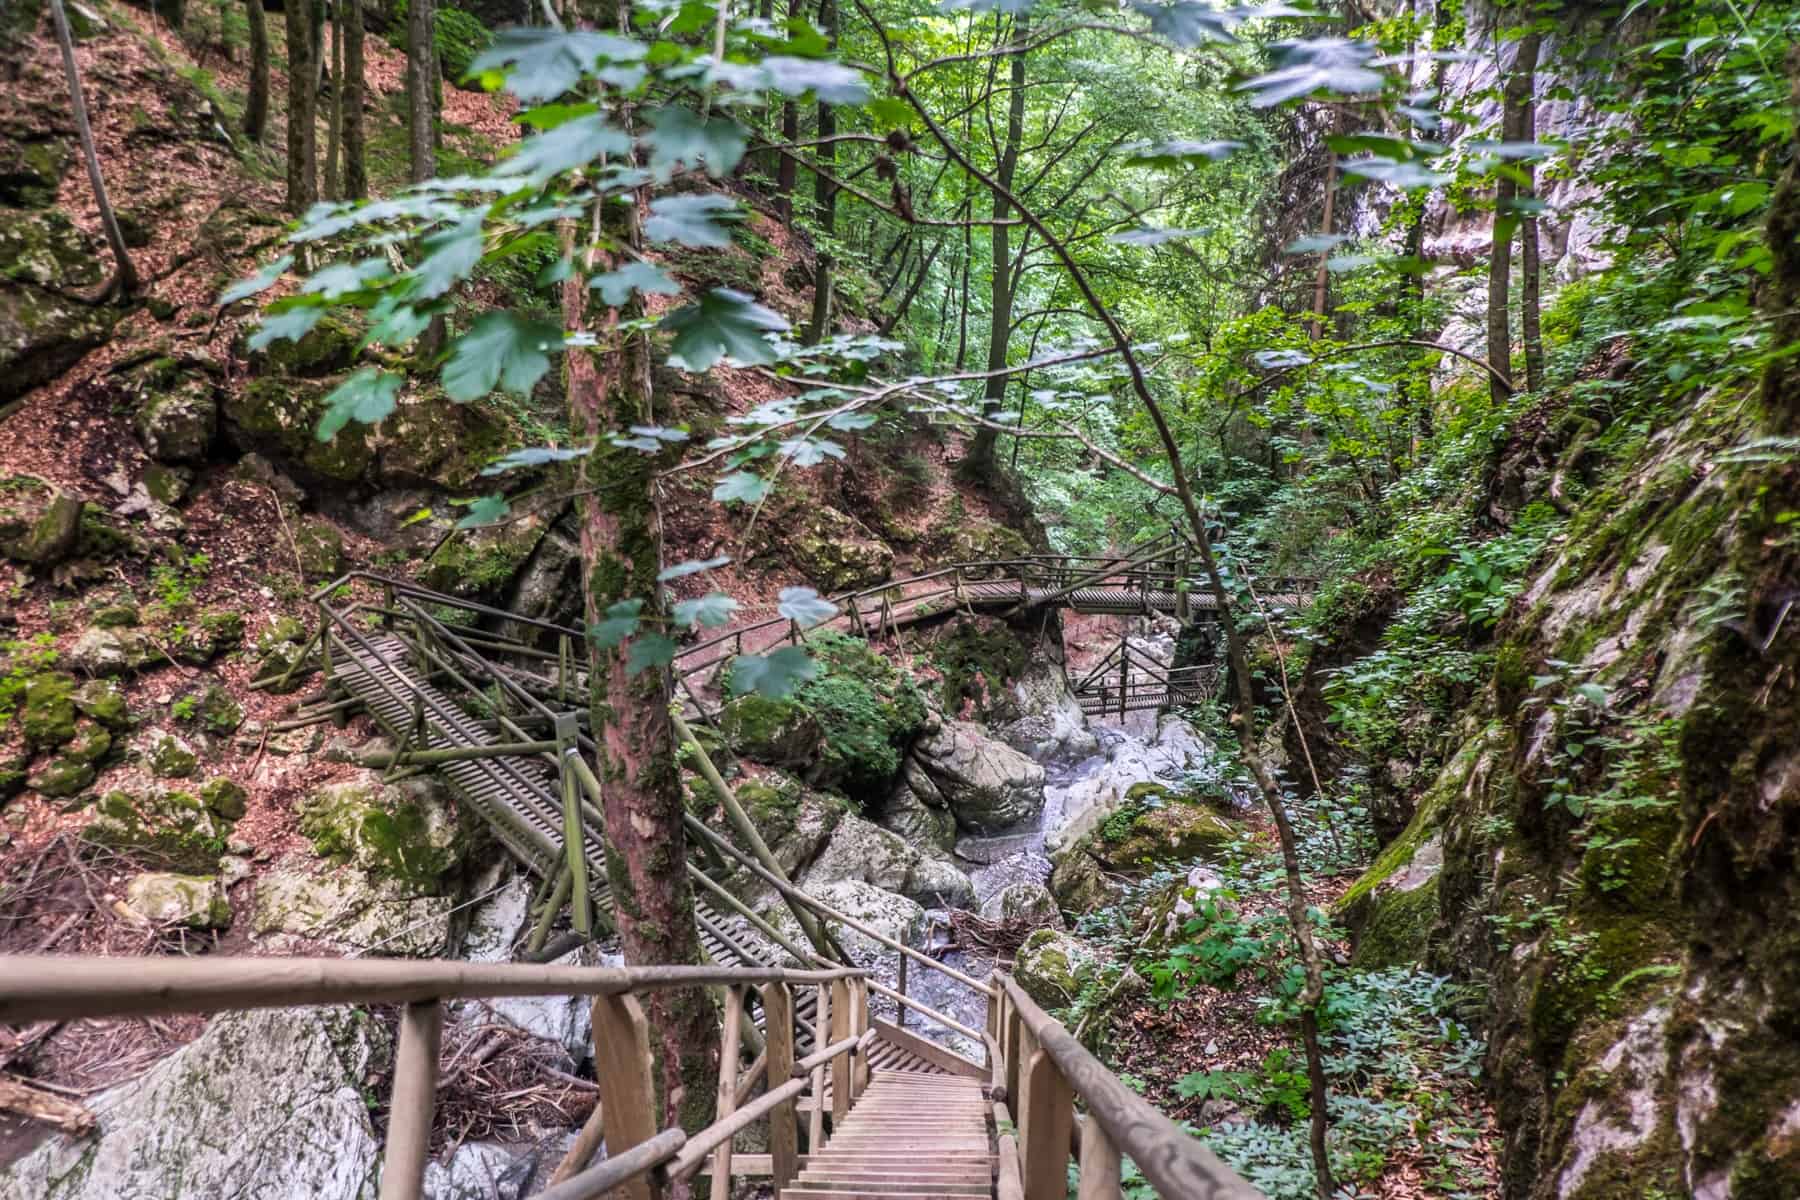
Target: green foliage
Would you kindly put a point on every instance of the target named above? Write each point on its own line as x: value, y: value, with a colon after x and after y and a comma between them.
x: 22, y: 661
x: 459, y: 37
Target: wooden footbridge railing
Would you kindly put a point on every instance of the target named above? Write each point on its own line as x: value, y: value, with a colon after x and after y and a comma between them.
x: 871, y: 1134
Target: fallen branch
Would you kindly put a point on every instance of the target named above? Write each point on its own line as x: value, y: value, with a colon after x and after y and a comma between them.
x: 68, y: 1116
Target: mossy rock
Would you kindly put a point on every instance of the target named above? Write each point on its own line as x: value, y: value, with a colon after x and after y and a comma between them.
x: 977, y: 660
x: 112, y: 651
x: 213, y: 708
x: 39, y: 525
x: 781, y: 733
x: 328, y: 347
x: 62, y: 777
x: 171, y: 825
x: 1398, y: 927
x: 1050, y: 966
x: 31, y: 171
x: 834, y: 550
x: 116, y: 616
x: 104, y: 701
x: 1078, y: 881
x: 431, y: 441
x: 278, y: 417
x: 167, y: 484
x: 90, y: 744
x: 194, y: 901
x: 47, y: 717
x: 43, y: 334
x: 482, y: 563
x: 224, y: 796
x: 13, y: 776
x: 45, y: 248
x: 405, y: 833
x: 168, y: 757
x: 1164, y: 832
x: 321, y: 549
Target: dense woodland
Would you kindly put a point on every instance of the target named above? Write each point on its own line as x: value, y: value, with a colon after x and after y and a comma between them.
x: 1455, y: 340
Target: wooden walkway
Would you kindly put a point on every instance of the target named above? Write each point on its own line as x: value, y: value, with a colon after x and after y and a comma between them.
x: 909, y: 1137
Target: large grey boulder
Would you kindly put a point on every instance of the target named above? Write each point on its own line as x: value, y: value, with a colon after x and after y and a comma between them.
x: 197, y: 901
x: 889, y: 914
x: 988, y: 785
x: 918, y: 812
x: 179, y: 424
x: 1024, y: 901
x: 264, y: 1105
x: 860, y: 850
x: 39, y: 524
x: 349, y: 908
x: 1175, y: 751
x: 566, y: 1022
x: 1050, y: 726
x: 1051, y: 965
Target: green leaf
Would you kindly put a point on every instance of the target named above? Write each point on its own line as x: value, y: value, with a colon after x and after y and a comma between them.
x: 831, y: 82
x: 849, y: 421
x: 573, y: 144
x: 774, y: 675
x: 542, y: 64
x: 678, y: 138
x: 1322, y: 64
x: 487, y: 510
x: 262, y: 281
x: 535, y: 456
x: 740, y: 487
x: 890, y: 112
x: 288, y: 325
x: 723, y: 323
x: 500, y: 349
x: 342, y: 279
x: 392, y: 322
x: 649, y: 650
x: 1593, y: 693
x: 450, y: 257
x: 1179, y: 152
x: 620, y: 623
x: 805, y: 607
x: 1152, y: 236
x: 366, y: 397
x: 710, y: 611
x: 810, y: 452
x: 682, y: 570
x: 615, y: 287
x: 690, y: 220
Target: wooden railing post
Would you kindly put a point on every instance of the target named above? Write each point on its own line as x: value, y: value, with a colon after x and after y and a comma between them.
x: 728, y: 1070
x: 622, y: 1067
x: 1046, y: 1115
x: 815, y: 1131
x: 840, y: 1064
x: 1099, y: 1164
x: 574, y: 837
x: 1012, y: 1044
x: 859, y: 1025
x: 900, y: 986
x: 415, y: 1097
x: 784, y: 1134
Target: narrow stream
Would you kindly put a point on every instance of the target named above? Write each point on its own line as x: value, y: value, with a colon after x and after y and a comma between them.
x: 994, y: 863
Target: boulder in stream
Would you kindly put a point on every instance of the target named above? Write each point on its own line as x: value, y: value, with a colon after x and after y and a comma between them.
x: 1024, y: 901
x: 1050, y: 726
x: 860, y: 850
x: 892, y: 915
x: 1091, y: 800
x: 987, y: 784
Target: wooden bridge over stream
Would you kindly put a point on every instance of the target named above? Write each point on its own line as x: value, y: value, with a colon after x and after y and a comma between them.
x: 856, y: 1107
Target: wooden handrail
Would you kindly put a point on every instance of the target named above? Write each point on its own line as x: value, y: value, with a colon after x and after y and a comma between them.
x: 1177, y: 1164
x: 66, y: 988
x: 618, y: 1168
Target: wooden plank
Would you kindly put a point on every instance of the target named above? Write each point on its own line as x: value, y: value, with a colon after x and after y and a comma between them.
x: 784, y: 1135
x: 927, y: 1050
x: 622, y: 1066
x: 1099, y: 1178
x: 1046, y: 1111
x: 815, y: 1137
x: 414, y: 1100
x: 840, y: 1065
x: 727, y: 1103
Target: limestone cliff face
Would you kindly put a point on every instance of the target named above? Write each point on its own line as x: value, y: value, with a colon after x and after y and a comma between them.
x: 1617, y: 837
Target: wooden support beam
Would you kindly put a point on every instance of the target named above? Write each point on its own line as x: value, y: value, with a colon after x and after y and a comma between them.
x: 1046, y: 1109
x: 815, y: 1134
x: 727, y: 1104
x: 414, y: 1100
x: 622, y: 1065
x: 1099, y: 1164
x: 840, y: 1064
x: 784, y: 1133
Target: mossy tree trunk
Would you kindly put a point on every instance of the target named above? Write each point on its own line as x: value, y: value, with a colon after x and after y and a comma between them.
x: 825, y: 197
x: 621, y: 554
x: 1530, y: 269
x: 356, y: 171
x: 302, y: 162
x: 420, y: 111
x: 256, y: 104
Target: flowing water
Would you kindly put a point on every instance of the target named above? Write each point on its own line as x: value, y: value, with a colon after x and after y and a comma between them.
x: 994, y: 863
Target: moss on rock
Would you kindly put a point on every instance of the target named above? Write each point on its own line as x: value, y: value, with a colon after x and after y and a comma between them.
x: 47, y: 717
x: 405, y: 833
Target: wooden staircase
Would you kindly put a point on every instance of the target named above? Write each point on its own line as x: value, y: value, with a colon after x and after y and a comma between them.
x: 908, y: 1137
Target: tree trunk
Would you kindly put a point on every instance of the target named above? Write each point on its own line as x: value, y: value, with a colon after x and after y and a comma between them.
x: 980, y: 457
x: 825, y: 198
x: 785, y: 167
x: 1530, y: 272
x: 356, y: 170
x: 302, y: 170
x: 125, y: 276
x: 256, y: 104
x: 421, y: 147
x: 1322, y: 279
x: 1499, y: 330
x: 334, y: 129
x: 621, y: 549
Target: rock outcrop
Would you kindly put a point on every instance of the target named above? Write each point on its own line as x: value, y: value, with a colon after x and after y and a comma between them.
x: 267, y: 1104
x: 986, y: 784
x: 862, y: 851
